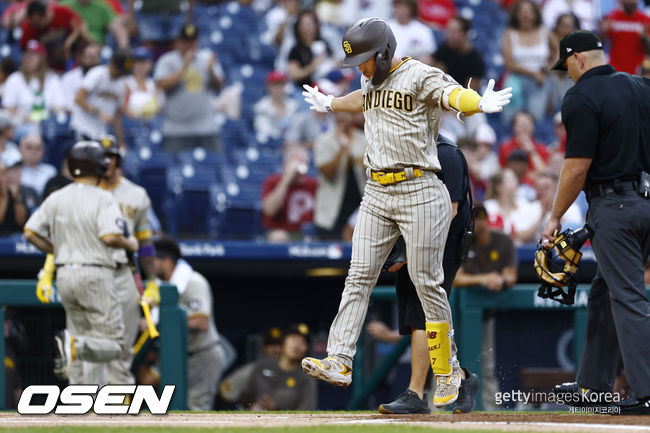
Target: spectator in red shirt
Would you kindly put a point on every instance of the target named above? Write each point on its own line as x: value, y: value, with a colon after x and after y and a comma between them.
x: 628, y: 30
x: 14, y: 15
x: 436, y: 13
x: 288, y: 198
x: 523, y: 128
x: 56, y: 27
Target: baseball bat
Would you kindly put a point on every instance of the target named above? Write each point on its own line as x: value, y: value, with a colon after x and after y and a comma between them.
x: 153, y: 332
x: 137, y: 276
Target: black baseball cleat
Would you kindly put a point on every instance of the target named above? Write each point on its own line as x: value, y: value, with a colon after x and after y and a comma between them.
x: 407, y: 402
x: 467, y: 393
x: 633, y: 406
x: 579, y: 396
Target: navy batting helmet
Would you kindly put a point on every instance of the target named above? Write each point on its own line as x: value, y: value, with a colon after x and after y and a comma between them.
x: 87, y: 158
x: 110, y: 146
x: 367, y: 38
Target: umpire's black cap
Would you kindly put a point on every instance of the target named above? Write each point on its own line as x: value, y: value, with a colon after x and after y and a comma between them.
x: 86, y: 158
x: 576, y: 42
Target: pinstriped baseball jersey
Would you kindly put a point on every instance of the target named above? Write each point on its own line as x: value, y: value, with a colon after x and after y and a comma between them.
x: 197, y: 299
x: 134, y: 203
x: 75, y: 218
x: 402, y: 115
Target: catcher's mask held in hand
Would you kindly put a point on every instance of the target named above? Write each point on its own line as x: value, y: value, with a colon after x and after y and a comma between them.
x: 556, y: 266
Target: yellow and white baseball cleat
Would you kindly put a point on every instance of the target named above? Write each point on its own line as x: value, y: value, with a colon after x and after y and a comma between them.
x: 447, y: 387
x: 64, y: 354
x: 330, y: 370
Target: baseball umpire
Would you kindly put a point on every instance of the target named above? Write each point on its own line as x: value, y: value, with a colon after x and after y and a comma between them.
x: 80, y: 225
x: 134, y: 204
x: 607, y: 118
x: 402, y: 101
x: 410, y: 314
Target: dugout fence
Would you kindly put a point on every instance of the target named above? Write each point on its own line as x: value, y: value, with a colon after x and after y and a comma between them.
x: 48, y: 318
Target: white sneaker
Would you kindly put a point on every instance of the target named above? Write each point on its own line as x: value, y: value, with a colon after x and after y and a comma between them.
x: 447, y: 388
x: 63, y: 354
x: 330, y: 370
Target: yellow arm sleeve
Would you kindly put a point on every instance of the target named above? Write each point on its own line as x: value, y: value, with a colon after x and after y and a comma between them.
x: 48, y: 266
x: 464, y: 100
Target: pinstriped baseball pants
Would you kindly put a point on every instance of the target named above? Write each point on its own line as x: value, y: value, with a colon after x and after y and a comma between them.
x: 419, y: 209
x: 94, y: 318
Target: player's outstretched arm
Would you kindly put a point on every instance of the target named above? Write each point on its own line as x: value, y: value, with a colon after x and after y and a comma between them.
x: 468, y: 101
x: 351, y: 103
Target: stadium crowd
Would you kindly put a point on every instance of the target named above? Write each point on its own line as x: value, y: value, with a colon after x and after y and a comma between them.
x: 205, y: 99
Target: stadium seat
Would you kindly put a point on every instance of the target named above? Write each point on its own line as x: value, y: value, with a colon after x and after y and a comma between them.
x: 235, y: 134
x: 152, y: 176
x: 239, y: 211
x: 191, y: 187
x: 203, y: 159
x: 57, y: 136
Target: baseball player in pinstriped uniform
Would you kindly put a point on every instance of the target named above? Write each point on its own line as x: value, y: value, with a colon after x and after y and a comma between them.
x: 206, y: 357
x: 402, y: 101
x: 134, y: 203
x: 80, y: 225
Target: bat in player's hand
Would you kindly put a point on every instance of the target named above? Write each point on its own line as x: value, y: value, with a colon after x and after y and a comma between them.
x: 137, y: 276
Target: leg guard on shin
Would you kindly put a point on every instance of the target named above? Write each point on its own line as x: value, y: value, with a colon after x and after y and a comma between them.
x: 438, y: 339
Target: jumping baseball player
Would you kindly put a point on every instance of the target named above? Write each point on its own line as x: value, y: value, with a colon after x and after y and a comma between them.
x: 134, y: 204
x: 80, y: 225
x: 402, y: 101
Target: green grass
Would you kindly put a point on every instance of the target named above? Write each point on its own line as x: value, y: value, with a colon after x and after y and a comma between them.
x: 394, y: 428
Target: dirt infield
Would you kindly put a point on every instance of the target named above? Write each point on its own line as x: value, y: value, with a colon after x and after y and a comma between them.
x: 542, y: 422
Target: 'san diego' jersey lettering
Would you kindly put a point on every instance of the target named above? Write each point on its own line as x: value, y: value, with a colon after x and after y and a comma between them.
x: 402, y: 116
x: 387, y: 98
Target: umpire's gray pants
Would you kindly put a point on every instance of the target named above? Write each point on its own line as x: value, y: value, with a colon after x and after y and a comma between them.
x: 119, y: 370
x: 93, y: 318
x: 618, y: 311
x: 419, y: 209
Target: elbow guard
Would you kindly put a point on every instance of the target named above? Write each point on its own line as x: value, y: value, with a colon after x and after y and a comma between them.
x: 461, y: 99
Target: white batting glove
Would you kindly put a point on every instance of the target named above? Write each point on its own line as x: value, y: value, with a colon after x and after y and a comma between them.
x: 493, y: 102
x: 319, y: 102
